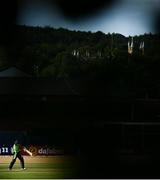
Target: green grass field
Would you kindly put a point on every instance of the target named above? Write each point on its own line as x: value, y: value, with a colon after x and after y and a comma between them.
x: 40, y: 168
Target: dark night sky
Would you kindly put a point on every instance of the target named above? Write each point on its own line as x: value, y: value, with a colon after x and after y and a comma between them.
x: 128, y: 17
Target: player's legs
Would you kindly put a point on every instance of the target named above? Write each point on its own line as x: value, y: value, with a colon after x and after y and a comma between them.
x: 13, y: 161
x: 21, y: 160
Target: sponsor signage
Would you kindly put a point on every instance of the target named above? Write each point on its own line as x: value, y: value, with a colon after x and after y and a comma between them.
x: 45, y: 150
x: 35, y: 149
x: 5, y: 150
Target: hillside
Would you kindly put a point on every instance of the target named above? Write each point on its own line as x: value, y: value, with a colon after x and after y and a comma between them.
x: 101, y: 60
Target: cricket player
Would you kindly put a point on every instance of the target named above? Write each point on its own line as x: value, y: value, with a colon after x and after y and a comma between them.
x: 17, y: 148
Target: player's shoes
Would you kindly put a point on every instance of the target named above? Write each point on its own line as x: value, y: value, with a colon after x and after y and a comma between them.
x: 23, y: 168
x: 9, y: 169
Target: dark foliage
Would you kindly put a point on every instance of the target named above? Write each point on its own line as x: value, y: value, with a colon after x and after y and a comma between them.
x: 100, y: 59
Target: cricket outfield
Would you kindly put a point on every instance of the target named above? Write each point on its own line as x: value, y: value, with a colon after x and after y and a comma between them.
x: 39, y: 167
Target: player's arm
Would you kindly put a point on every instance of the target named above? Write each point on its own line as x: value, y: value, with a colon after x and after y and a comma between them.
x: 13, y: 149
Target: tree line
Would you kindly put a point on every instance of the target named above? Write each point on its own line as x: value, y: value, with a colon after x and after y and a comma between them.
x: 101, y: 58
